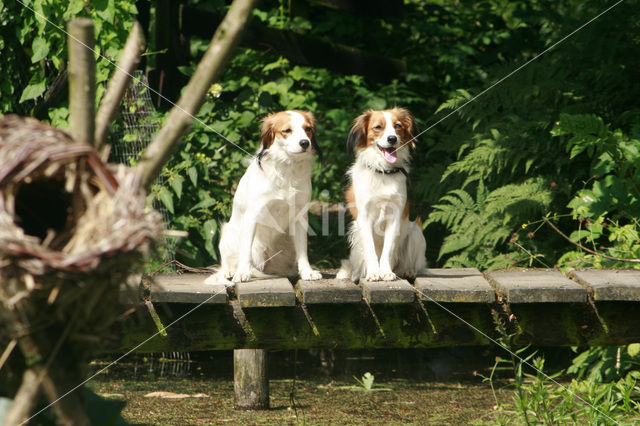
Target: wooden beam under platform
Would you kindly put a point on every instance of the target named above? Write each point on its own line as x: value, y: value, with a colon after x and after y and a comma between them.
x: 446, y: 307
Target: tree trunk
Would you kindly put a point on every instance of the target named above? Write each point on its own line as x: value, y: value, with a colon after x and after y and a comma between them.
x: 209, y: 69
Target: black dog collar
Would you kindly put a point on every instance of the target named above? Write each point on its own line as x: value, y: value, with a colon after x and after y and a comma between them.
x: 392, y: 171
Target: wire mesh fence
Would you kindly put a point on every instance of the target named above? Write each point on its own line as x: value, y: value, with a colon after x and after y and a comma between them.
x: 135, y: 128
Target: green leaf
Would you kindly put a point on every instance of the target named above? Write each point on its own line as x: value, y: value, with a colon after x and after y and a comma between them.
x: 577, y: 149
x: 246, y: 118
x: 281, y: 62
x: 204, y: 204
x: 209, y: 229
x: 33, y: 89
x: 187, y: 70
x: 75, y: 7
x: 193, y: 175
x: 40, y: 49
x: 377, y: 103
x: 633, y: 349
x: 176, y: 184
x: 165, y: 197
x: 105, y: 9
x: 579, y: 235
x: 454, y: 243
x: 300, y: 73
x: 130, y: 137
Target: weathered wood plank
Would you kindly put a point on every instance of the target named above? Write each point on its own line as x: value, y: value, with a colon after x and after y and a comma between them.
x: 352, y: 325
x: 266, y: 293
x: 390, y: 292
x: 465, y: 285
x: 186, y: 288
x: 613, y: 284
x: 328, y: 290
x: 537, y: 286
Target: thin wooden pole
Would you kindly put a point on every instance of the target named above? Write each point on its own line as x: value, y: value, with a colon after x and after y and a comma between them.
x: 82, y: 86
x: 24, y: 400
x: 250, y: 379
x: 118, y: 83
x: 209, y: 69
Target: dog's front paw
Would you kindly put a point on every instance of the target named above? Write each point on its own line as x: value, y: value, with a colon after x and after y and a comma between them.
x: 388, y: 276
x: 310, y: 275
x: 373, y: 276
x: 242, y: 276
x: 343, y: 275
x: 219, y: 277
x: 213, y: 279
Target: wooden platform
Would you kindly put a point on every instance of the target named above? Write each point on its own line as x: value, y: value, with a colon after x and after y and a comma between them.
x: 443, y: 307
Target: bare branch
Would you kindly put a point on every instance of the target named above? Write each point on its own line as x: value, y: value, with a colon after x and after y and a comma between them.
x: 7, y: 352
x: 24, y: 400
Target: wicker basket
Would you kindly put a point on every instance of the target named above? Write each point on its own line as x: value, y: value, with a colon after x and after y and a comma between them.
x: 72, y: 229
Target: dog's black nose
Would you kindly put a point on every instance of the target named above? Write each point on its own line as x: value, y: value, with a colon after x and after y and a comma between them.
x: 304, y: 143
x: 392, y: 139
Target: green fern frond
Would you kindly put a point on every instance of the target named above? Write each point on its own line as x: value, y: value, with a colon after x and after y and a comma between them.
x: 527, y: 197
x: 455, y: 242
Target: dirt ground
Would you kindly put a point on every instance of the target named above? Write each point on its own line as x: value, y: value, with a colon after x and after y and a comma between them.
x: 319, y: 401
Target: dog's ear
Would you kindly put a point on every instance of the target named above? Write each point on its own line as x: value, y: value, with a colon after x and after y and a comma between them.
x: 358, y: 135
x: 267, y: 134
x: 408, y: 123
x: 314, y: 142
x: 414, y: 131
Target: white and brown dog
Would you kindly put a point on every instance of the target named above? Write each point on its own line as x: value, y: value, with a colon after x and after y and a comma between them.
x: 384, y: 243
x: 267, y: 232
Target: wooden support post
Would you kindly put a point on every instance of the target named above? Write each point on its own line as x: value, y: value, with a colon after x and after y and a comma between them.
x: 250, y: 380
x: 82, y: 86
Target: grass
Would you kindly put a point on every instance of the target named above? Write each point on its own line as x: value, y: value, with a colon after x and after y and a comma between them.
x: 317, y: 401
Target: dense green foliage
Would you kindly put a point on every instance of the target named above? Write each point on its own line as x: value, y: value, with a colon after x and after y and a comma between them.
x: 33, y: 51
x: 484, y: 176
x: 533, y: 144
x: 558, y: 138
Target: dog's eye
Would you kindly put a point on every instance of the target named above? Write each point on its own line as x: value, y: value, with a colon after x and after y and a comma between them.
x: 378, y: 127
x: 398, y: 126
x: 307, y: 129
x: 287, y: 131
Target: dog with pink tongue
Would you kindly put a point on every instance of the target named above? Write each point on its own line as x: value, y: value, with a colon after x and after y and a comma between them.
x: 384, y: 243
